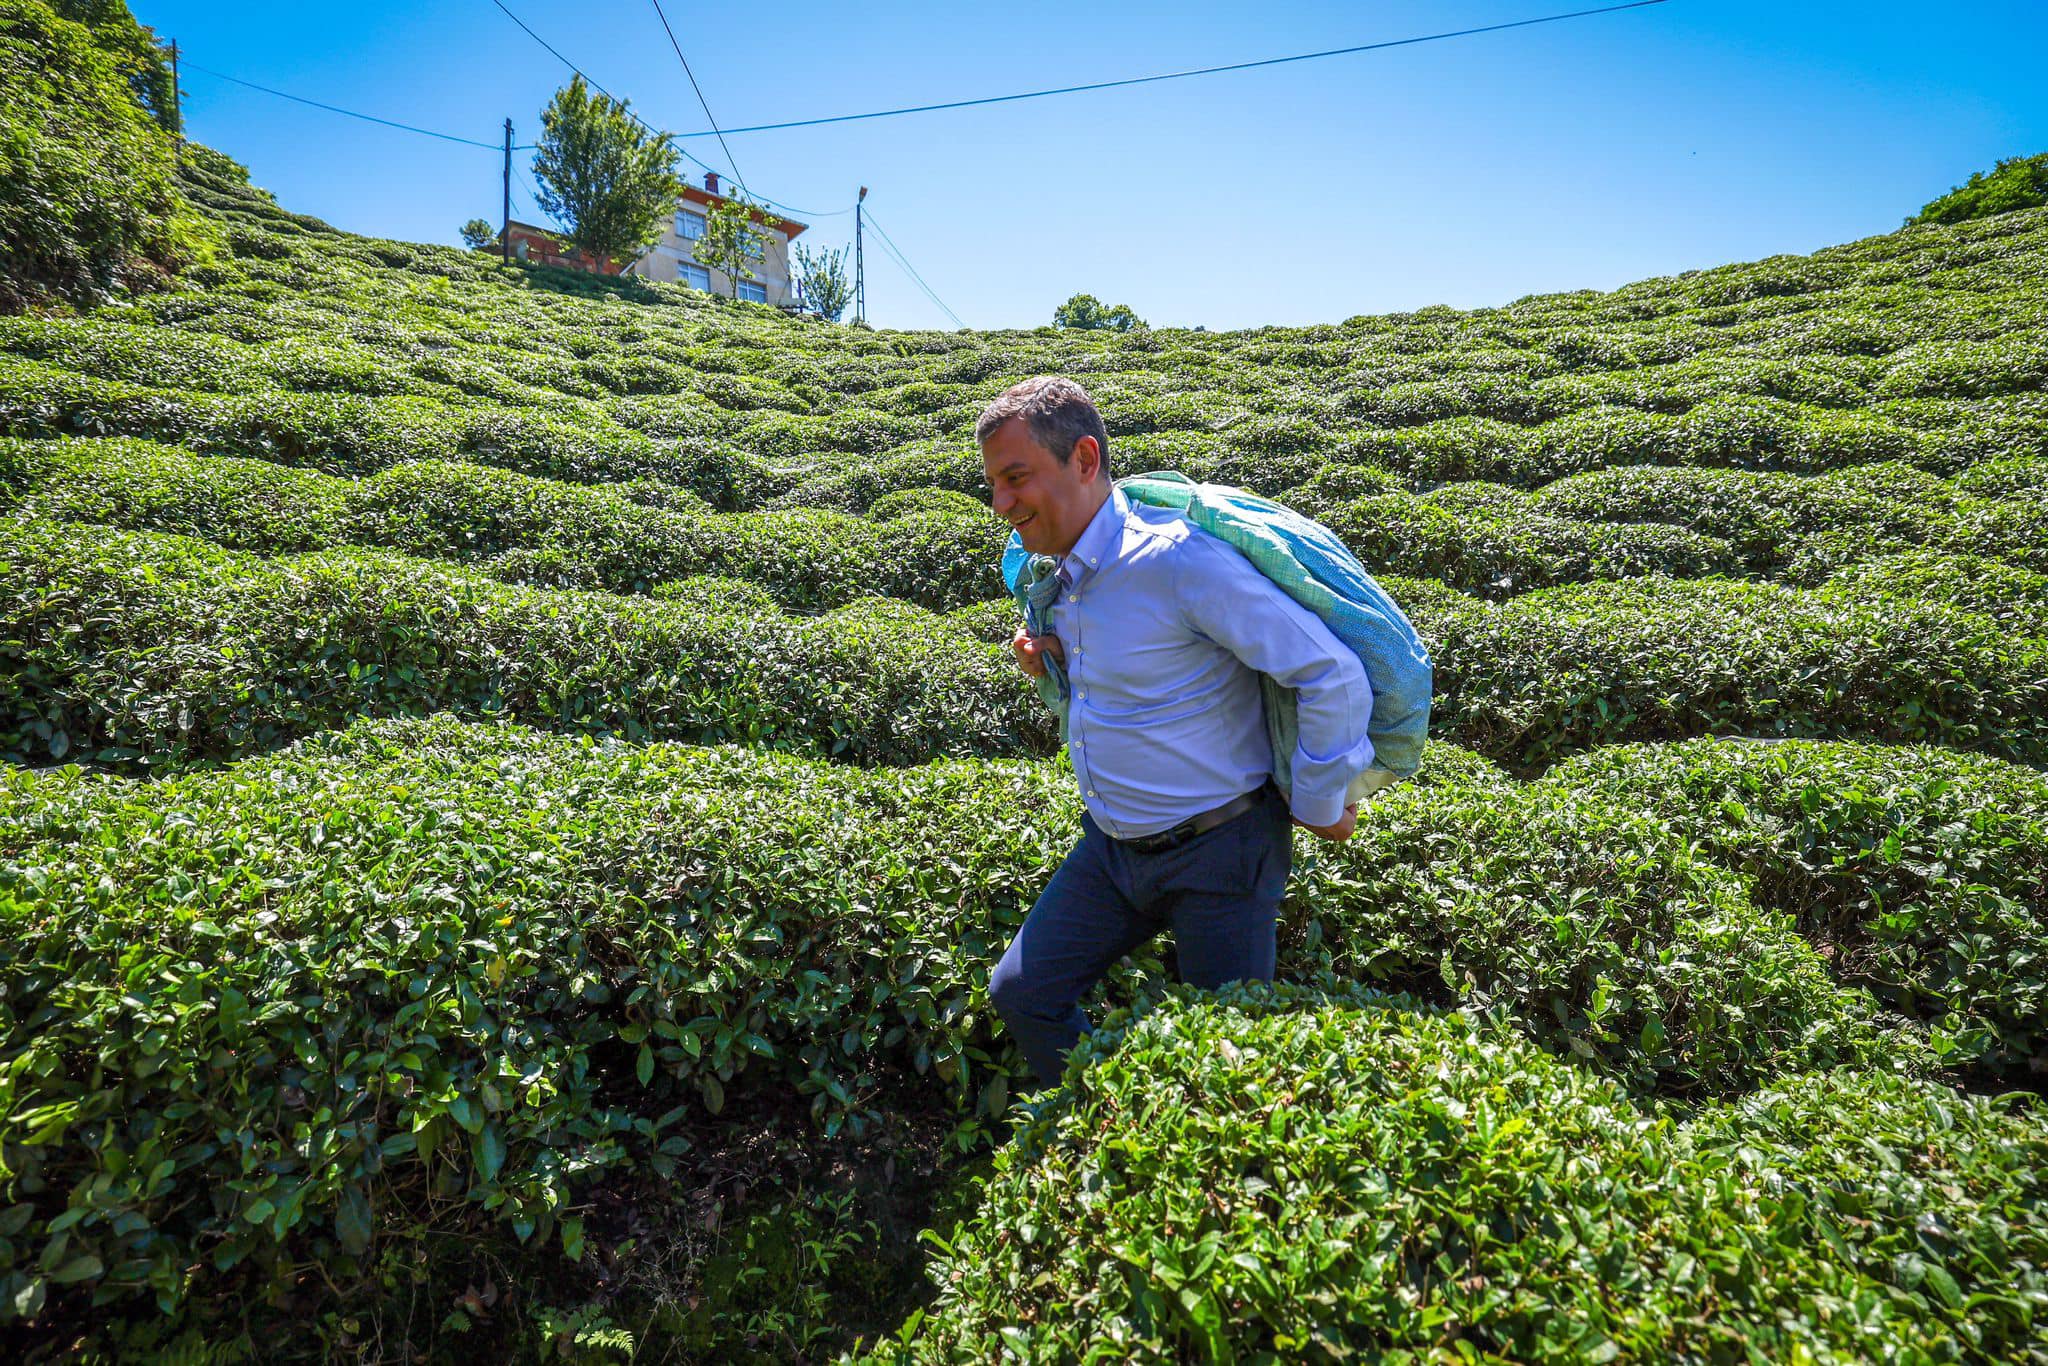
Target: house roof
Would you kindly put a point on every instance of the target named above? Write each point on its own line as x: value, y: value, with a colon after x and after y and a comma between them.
x: 788, y: 227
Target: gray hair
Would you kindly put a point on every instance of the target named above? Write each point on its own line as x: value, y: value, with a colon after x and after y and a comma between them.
x: 1057, y: 411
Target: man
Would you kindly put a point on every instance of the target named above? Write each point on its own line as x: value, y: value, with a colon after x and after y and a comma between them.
x: 1162, y: 629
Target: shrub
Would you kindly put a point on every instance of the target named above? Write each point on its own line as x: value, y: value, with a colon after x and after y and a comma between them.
x: 1652, y: 659
x: 428, y: 975
x: 514, y: 527
x: 148, y: 650
x: 2014, y: 183
x: 909, y: 502
x: 1601, y: 935
x: 1921, y: 872
x: 2016, y: 598
x: 1503, y: 553
x: 1285, y: 1173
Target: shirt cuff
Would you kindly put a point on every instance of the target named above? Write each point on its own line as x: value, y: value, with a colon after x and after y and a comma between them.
x: 1317, y: 808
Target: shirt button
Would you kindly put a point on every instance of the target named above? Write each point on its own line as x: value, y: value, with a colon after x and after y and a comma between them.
x: 1091, y: 792
x: 1084, y: 697
x: 1073, y: 597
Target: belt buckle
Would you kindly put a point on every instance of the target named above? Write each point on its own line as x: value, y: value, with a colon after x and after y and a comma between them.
x: 1165, y: 839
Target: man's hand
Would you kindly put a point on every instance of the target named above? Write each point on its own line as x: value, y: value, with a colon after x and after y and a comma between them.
x: 1337, y: 833
x: 1031, y: 651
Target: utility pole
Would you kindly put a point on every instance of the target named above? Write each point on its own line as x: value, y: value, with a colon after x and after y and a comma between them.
x: 505, y: 228
x: 177, y: 98
x: 860, y: 274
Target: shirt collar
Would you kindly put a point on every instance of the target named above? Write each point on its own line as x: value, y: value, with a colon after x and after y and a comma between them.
x: 1099, y: 542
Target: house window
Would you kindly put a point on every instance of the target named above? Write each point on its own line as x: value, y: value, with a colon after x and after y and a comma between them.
x: 753, y: 292
x: 696, y: 277
x: 689, y: 226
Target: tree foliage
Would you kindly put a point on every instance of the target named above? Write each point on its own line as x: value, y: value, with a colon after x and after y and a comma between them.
x: 825, y: 284
x: 477, y: 234
x: 735, y: 239
x: 1086, y: 313
x: 135, y: 47
x: 611, y: 182
x: 88, y: 200
x: 2015, y: 183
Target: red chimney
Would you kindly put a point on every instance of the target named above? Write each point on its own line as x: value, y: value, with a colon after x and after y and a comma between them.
x: 711, y: 182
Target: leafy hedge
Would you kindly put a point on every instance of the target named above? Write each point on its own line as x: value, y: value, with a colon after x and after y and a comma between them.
x: 1567, y: 668
x: 1593, y: 926
x: 512, y: 526
x: 139, y: 649
x: 1922, y: 872
x: 1299, y: 1174
x: 476, y: 966
x: 2017, y: 598
x: 292, y: 1008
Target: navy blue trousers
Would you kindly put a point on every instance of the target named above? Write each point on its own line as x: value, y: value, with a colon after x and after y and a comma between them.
x: 1219, y: 892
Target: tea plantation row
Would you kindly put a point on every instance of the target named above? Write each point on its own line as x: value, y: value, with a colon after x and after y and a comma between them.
x: 940, y: 549
x: 490, y: 964
x: 143, y: 648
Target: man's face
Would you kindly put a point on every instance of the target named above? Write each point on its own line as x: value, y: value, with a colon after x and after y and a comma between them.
x: 1049, y: 503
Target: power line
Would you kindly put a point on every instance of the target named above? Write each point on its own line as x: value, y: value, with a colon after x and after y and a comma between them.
x: 337, y: 109
x: 1183, y: 75
x: 670, y: 138
x: 895, y: 253
x: 902, y: 260
x: 702, y: 103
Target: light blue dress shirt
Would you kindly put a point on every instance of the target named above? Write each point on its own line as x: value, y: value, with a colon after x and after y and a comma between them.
x: 1165, y: 630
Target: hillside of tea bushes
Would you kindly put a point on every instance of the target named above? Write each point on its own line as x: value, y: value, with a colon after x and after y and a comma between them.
x: 515, y: 786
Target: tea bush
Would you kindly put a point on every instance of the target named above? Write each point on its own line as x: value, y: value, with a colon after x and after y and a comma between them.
x: 1284, y: 1174
x: 310, y: 931
x: 1652, y: 659
x: 139, y: 649
x: 285, y: 1006
x: 1922, y: 873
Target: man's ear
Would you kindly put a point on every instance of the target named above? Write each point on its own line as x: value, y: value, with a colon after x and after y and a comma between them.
x: 1088, y: 457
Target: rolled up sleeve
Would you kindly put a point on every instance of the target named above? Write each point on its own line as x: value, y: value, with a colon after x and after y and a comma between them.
x: 1223, y: 597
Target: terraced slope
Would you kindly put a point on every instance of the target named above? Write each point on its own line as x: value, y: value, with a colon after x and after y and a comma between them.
x: 1657, y: 1019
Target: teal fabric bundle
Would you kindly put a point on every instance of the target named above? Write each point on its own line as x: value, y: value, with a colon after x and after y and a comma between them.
x: 1312, y: 566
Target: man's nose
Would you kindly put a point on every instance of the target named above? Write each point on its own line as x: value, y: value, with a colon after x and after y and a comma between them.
x: 1000, y: 500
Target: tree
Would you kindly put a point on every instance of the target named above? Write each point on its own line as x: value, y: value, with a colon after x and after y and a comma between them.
x: 89, y: 200
x: 1085, y: 312
x: 2014, y: 183
x: 826, y: 288
x: 612, y: 183
x: 477, y: 234
x: 734, y: 239
x: 134, y: 46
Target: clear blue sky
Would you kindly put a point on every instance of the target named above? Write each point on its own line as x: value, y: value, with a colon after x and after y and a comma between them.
x: 1580, y: 154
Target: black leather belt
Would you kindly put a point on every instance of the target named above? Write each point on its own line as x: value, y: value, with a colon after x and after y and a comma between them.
x: 1180, y: 834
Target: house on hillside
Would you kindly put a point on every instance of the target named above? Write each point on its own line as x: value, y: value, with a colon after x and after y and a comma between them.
x: 672, y: 258
x: 539, y: 247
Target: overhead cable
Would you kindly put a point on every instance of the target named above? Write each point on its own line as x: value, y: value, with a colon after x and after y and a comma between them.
x: 670, y: 138
x: 904, y: 261
x: 702, y: 103
x: 337, y: 109
x: 1183, y: 75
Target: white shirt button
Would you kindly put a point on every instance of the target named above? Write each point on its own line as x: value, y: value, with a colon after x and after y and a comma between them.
x: 1091, y: 791
x: 1073, y: 597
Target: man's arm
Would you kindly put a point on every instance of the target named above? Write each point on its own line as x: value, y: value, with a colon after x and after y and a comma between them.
x: 1223, y: 597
